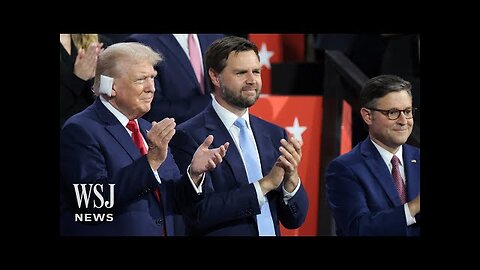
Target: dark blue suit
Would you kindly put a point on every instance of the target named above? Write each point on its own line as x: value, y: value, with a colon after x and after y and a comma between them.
x: 96, y: 148
x: 230, y: 203
x: 177, y: 92
x: 362, y: 194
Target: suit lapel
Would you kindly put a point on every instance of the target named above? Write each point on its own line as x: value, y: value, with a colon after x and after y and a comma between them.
x: 115, y: 128
x: 377, y: 166
x: 202, y: 39
x: 221, y: 135
x: 176, y: 51
x: 264, y: 145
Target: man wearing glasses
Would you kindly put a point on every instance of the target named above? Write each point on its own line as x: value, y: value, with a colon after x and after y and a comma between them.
x: 374, y: 190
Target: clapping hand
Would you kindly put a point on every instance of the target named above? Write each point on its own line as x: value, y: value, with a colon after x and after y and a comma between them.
x: 206, y: 159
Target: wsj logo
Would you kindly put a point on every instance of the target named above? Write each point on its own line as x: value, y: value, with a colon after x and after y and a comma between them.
x: 83, y: 193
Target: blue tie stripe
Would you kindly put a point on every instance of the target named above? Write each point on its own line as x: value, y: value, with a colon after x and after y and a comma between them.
x: 254, y: 173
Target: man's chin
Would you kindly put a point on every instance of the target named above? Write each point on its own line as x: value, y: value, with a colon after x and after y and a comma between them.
x: 145, y: 109
x: 251, y: 100
x: 249, y: 104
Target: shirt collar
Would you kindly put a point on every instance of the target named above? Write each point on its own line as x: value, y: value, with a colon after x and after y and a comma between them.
x: 387, y: 156
x: 120, y: 116
x: 227, y: 117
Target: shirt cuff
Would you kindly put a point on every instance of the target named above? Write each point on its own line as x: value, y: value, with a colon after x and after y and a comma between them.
x: 410, y: 220
x: 288, y: 195
x: 199, y: 188
x: 155, y: 173
x: 260, y: 197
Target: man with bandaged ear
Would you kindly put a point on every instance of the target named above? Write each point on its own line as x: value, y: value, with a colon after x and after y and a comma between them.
x: 117, y: 175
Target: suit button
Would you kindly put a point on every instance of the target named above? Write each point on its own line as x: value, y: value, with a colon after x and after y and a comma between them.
x: 159, y: 221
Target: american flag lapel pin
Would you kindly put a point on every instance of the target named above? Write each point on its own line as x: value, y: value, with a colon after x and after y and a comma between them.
x: 414, y: 161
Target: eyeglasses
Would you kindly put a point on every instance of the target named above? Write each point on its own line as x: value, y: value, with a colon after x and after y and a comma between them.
x: 394, y: 114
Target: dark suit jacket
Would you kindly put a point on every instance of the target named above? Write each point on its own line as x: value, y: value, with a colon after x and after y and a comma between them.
x: 96, y: 148
x: 230, y: 203
x: 362, y: 194
x: 178, y: 93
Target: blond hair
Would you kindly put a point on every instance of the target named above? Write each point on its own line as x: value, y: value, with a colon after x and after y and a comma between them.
x: 111, y: 62
x: 82, y: 41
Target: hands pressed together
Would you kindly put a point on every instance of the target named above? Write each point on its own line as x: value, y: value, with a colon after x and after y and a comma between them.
x: 158, y: 138
x: 285, y: 168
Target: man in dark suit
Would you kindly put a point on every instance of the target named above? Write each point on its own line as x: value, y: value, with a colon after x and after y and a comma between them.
x: 374, y: 190
x: 235, y: 203
x: 118, y: 177
x: 179, y: 93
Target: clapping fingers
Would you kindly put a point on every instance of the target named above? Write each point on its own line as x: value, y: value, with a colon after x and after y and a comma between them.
x: 222, y: 150
x: 215, y: 156
x: 290, y: 159
x: 206, y: 159
x: 99, y: 49
x: 291, y: 153
x: 285, y: 164
x: 296, y: 144
x: 92, y: 51
x: 218, y: 154
x: 161, y: 133
x: 85, y: 64
x: 90, y: 56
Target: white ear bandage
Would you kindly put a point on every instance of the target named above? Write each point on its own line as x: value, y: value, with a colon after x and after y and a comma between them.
x: 106, y: 84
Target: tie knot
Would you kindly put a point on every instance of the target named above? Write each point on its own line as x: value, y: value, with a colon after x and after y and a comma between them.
x: 395, y: 161
x: 132, y: 126
x: 240, y: 123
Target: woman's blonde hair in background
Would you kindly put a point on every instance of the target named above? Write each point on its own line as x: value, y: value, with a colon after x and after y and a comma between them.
x: 82, y: 41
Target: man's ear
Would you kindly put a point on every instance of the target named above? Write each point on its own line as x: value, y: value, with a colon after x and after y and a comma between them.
x: 214, y: 77
x: 106, y: 85
x: 114, y: 92
x: 366, y: 115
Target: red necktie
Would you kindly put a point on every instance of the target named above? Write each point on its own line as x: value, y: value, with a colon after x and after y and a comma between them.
x: 193, y: 51
x: 137, y: 136
x: 397, y: 179
x: 138, y: 140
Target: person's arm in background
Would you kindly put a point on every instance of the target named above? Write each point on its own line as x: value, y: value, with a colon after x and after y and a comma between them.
x: 77, y: 81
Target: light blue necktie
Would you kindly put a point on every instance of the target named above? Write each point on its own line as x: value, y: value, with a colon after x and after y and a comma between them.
x: 254, y: 173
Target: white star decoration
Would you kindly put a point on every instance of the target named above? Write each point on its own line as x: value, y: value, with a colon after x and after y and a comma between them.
x: 297, y: 130
x: 265, y: 55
